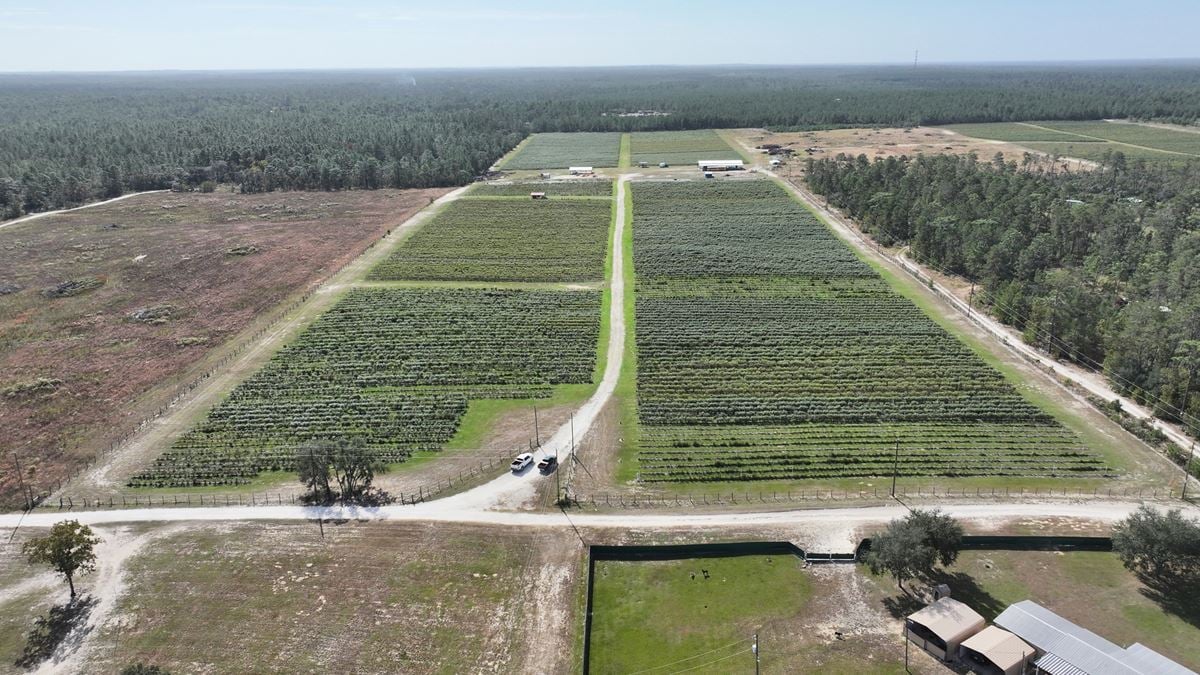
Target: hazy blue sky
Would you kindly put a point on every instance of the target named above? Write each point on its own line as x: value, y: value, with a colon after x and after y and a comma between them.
x: 142, y: 35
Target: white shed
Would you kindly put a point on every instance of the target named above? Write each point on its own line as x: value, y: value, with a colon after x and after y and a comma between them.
x: 580, y: 170
x: 720, y: 164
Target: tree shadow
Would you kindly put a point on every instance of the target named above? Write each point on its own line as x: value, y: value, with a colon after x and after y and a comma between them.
x: 57, y: 628
x: 1175, y: 594
x: 963, y: 588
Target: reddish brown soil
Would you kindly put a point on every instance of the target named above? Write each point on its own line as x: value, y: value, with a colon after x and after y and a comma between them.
x: 178, y: 250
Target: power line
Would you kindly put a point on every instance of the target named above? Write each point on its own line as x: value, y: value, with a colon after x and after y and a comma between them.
x: 694, y: 656
x: 723, y: 658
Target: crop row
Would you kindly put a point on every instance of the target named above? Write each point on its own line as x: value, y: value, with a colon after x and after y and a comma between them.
x: 766, y: 349
x: 679, y: 147
x: 393, y: 367
x: 586, y: 187
x: 562, y: 150
x: 506, y: 240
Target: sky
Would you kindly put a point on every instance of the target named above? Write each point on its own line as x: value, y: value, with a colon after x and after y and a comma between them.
x: 106, y: 35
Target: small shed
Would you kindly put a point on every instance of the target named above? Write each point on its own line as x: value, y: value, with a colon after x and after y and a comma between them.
x: 663, y: 165
x: 776, y: 162
x: 580, y: 170
x: 537, y: 195
x: 720, y: 164
x: 941, y: 627
x: 643, y: 165
x: 995, y: 651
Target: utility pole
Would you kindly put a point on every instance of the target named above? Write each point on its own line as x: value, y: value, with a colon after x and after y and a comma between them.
x: 21, y: 480
x: 537, y: 434
x: 756, y: 655
x: 971, y: 300
x: 895, y: 467
x: 1187, y: 469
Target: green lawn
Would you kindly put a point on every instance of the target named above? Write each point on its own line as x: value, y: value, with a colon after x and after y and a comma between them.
x: 1090, y: 588
x: 562, y: 150
x: 650, y: 613
x: 679, y: 147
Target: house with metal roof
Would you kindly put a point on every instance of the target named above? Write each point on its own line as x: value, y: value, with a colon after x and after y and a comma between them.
x: 939, y: 628
x: 1065, y: 648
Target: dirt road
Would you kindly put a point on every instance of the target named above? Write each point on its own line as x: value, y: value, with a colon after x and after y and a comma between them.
x: 1093, y: 382
x: 118, y: 467
x: 43, y: 214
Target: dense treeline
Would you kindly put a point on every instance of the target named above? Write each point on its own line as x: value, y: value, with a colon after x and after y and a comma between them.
x: 1102, y: 267
x: 65, y: 139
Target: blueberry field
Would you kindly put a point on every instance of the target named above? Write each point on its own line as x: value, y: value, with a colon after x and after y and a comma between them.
x: 586, y: 187
x: 562, y: 150
x: 506, y: 240
x: 767, y: 350
x: 395, y: 367
x: 679, y: 147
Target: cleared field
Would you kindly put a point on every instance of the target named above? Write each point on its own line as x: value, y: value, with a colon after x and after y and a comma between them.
x: 394, y: 367
x: 559, y: 188
x: 1091, y: 589
x: 1092, y: 140
x: 562, y: 150
x: 679, y: 147
x: 766, y: 350
x: 366, y: 598
x: 506, y: 240
x: 1014, y: 132
x: 105, y: 310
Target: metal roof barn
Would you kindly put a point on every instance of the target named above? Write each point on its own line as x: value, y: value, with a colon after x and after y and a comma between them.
x: 940, y: 627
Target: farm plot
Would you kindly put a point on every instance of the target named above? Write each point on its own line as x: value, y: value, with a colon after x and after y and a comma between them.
x: 506, y: 240
x: 1156, y: 138
x: 767, y: 350
x: 393, y: 367
x: 679, y: 147
x: 587, y: 187
x: 562, y: 150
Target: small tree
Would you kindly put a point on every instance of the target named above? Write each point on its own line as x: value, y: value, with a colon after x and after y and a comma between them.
x: 314, y: 463
x: 912, y: 547
x: 143, y: 669
x: 355, y: 467
x: 1157, y: 544
x: 69, y: 548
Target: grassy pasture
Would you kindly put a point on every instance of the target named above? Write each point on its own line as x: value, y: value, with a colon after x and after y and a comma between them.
x: 1090, y: 588
x: 679, y: 147
x: 1092, y: 140
x: 562, y: 150
x: 506, y: 240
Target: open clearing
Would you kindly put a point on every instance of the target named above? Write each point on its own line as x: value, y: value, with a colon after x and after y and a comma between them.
x: 563, y: 150
x: 766, y: 350
x: 1089, y: 588
x: 679, y: 147
x: 1092, y: 140
x: 117, y: 305
x: 478, y: 239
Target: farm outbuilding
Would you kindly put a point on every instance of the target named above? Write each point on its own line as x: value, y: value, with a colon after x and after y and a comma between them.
x: 580, y: 170
x: 537, y: 195
x: 942, y: 626
x: 720, y: 164
x: 995, y: 651
x: 1064, y: 648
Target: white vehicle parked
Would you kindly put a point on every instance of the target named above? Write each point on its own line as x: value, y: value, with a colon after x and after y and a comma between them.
x: 523, y: 460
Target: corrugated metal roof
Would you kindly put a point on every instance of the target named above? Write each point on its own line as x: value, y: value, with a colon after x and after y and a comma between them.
x: 722, y: 162
x: 999, y: 646
x: 1150, y: 662
x: 1073, y: 650
x: 1079, y: 647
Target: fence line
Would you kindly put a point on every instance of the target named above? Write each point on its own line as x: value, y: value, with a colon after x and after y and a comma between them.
x: 44, y: 492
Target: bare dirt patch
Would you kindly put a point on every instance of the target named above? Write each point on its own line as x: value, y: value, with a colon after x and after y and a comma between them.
x: 892, y: 142
x: 168, y: 279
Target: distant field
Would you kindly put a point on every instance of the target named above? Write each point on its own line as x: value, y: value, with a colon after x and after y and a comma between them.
x: 1092, y: 140
x: 558, y: 188
x: 506, y: 240
x: 767, y: 351
x: 650, y: 613
x: 679, y: 147
x: 107, y: 307
x: 562, y: 150
x: 395, y: 368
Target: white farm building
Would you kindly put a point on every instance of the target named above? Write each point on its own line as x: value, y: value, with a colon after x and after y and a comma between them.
x: 721, y: 165
x: 580, y: 170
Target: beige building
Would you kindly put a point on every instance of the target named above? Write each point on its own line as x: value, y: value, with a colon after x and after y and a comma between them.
x: 941, y: 627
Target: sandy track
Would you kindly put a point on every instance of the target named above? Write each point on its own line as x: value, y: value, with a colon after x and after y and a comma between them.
x: 43, y: 214
x: 119, y: 466
x: 1093, y: 382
